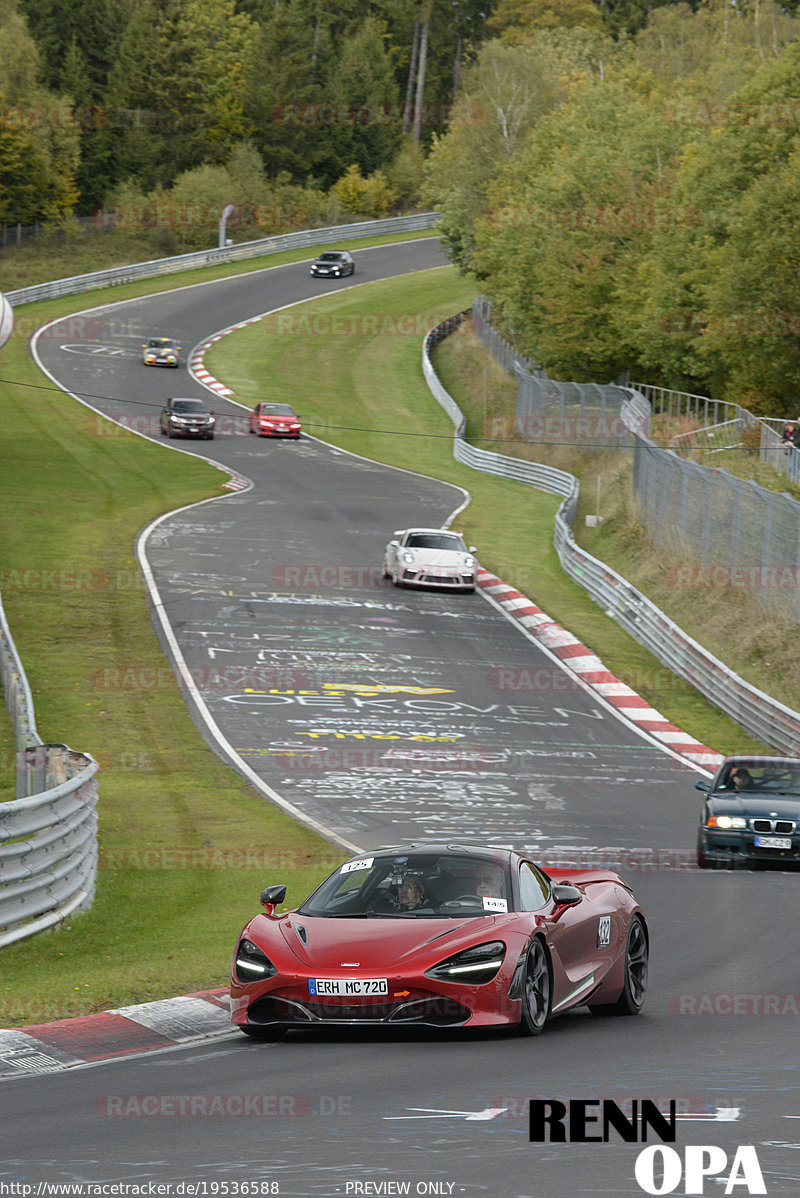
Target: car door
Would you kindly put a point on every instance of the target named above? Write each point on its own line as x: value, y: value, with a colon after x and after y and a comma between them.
x: 571, y: 937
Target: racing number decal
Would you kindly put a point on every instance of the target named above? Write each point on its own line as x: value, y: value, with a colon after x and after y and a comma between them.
x: 604, y: 932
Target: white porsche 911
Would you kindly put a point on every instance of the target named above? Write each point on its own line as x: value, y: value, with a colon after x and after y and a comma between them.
x: 430, y: 557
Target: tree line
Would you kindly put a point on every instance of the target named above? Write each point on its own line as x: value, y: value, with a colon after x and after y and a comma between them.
x: 631, y: 205
x: 109, y: 103
x: 620, y: 176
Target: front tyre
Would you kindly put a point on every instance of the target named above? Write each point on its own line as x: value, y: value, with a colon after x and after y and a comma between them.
x: 536, y: 990
x: 634, y: 989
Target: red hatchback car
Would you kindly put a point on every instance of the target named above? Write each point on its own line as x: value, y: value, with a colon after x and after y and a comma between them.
x: 445, y: 936
x: 274, y: 420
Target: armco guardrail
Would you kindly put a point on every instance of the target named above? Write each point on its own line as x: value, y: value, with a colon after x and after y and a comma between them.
x: 48, y: 834
x: 232, y: 253
x: 762, y: 716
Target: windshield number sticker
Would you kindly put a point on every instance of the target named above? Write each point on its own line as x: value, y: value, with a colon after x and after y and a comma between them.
x: 350, y: 866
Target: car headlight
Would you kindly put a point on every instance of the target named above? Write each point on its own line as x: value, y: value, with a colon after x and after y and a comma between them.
x: 469, y: 563
x: 726, y: 821
x: 475, y: 965
x: 408, y: 557
x: 250, y: 964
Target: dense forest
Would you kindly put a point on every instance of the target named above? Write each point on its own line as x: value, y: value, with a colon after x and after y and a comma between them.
x: 633, y: 206
x: 620, y: 176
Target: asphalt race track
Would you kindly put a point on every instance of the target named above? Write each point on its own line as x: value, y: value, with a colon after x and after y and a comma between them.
x: 381, y: 714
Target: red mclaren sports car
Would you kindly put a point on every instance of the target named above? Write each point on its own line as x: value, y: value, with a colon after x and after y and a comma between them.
x: 444, y: 936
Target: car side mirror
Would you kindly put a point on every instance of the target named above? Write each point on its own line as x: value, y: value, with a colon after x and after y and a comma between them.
x: 565, y: 894
x: 703, y: 785
x: 473, y: 548
x: 271, y: 896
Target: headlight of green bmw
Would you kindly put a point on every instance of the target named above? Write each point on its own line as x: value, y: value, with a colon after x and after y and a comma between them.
x: 724, y: 822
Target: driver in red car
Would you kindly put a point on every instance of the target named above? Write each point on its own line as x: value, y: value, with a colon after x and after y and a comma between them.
x: 411, y: 893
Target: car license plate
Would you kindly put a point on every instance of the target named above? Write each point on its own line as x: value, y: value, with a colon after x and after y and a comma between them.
x: 345, y: 987
x: 773, y: 842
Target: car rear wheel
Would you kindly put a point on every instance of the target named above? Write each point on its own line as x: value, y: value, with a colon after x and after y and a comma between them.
x: 634, y: 989
x: 536, y: 990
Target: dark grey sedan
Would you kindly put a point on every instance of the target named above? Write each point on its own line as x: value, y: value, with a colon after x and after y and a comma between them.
x: 751, y: 814
x: 187, y: 418
x: 333, y: 264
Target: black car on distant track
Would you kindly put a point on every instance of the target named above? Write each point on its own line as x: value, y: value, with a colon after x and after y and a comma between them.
x: 751, y: 814
x: 187, y: 418
x: 333, y: 264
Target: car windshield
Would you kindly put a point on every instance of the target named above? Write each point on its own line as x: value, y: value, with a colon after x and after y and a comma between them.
x: 276, y: 409
x: 189, y: 405
x: 331, y: 257
x: 413, y: 886
x: 161, y: 343
x: 435, y: 540
x: 762, y: 778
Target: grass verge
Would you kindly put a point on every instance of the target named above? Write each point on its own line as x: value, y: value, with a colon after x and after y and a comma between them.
x: 185, y: 845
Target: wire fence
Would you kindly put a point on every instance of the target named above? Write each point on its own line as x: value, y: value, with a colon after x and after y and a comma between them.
x: 719, y: 425
x: 592, y: 415
x: 766, y: 719
x: 738, y: 532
